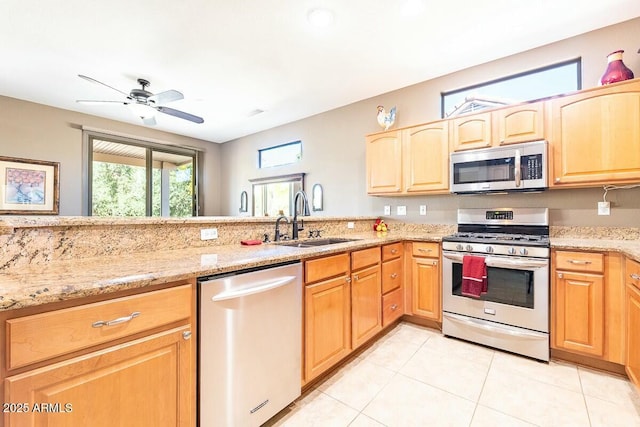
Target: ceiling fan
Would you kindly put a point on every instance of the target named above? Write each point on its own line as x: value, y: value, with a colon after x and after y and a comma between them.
x: 144, y: 104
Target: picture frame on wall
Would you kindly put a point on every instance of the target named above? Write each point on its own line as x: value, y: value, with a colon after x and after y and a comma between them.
x: 29, y: 187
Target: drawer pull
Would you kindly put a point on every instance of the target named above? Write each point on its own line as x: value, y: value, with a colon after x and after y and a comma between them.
x: 394, y: 275
x: 394, y: 307
x: 186, y: 335
x: 424, y: 250
x: 394, y: 251
x: 101, y: 323
x: 635, y: 276
x: 577, y: 261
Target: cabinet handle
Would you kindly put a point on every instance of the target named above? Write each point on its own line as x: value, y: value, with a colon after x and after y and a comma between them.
x: 560, y: 275
x: 557, y: 179
x: 635, y: 276
x: 424, y: 250
x: 434, y: 262
x: 101, y: 323
x: 577, y: 261
x: 394, y: 275
x: 186, y: 335
x: 394, y: 307
x: 347, y: 279
x: 355, y: 277
x: 394, y: 251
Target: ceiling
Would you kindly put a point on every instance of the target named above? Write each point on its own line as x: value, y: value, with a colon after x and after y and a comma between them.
x: 232, y: 58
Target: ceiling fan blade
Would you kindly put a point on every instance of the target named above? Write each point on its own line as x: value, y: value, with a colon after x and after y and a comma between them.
x: 166, y: 96
x: 180, y: 114
x: 103, y: 84
x: 90, y: 101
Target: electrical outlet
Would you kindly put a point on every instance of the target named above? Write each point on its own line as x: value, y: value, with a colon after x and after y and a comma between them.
x: 208, y: 233
x: 387, y: 210
x: 423, y: 209
x: 604, y: 208
x: 350, y: 224
x: 401, y: 210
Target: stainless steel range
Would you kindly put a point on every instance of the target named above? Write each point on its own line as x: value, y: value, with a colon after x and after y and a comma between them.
x: 510, y: 247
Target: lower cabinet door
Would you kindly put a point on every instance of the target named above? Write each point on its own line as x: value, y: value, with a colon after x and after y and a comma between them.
x: 366, y: 302
x: 579, y: 313
x: 145, y: 382
x: 327, y: 324
x: 633, y: 334
x: 425, y: 288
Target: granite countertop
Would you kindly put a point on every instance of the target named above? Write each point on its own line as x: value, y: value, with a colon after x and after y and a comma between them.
x: 69, y: 279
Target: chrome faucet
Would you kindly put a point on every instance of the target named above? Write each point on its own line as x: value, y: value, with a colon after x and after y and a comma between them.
x: 305, y: 212
x: 278, y: 235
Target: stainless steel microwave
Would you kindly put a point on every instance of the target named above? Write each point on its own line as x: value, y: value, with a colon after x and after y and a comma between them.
x: 515, y: 167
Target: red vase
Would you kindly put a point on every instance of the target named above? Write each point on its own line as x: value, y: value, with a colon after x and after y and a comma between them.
x: 616, y: 70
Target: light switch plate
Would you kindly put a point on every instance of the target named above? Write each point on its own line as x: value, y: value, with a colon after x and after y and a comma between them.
x: 604, y: 208
x: 387, y: 210
x: 401, y: 210
x: 423, y: 209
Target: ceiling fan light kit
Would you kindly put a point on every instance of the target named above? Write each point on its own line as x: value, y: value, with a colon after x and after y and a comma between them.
x: 144, y: 104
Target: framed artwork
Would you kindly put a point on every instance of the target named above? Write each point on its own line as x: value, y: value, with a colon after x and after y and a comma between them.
x: 29, y: 187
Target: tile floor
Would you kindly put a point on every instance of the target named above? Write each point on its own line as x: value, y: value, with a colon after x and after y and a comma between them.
x: 414, y: 376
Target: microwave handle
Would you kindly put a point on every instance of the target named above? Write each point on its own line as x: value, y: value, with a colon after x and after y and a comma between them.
x: 518, y: 171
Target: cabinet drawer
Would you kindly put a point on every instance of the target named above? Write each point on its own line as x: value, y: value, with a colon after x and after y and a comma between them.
x: 365, y: 258
x: 391, y: 251
x: 426, y: 249
x: 78, y: 328
x: 391, y: 275
x: 325, y: 267
x: 632, y: 269
x: 580, y: 261
x: 391, y: 307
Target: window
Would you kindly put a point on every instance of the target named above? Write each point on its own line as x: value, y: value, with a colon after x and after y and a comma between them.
x: 135, y: 178
x: 530, y: 85
x: 280, y: 155
x: 274, y: 195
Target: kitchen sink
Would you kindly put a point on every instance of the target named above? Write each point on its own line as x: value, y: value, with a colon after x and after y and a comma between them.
x: 316, y: 242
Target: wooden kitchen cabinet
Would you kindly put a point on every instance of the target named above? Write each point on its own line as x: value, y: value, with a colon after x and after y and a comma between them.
x: 327, y: 313
x: 410, y: 161
x: 425, y: 281
x: 392, y: 283
x: 426, y: 158
x: 521, y: 123
x: 142, y: 382
x: 471, y: 132
x: 72, y: 362
x: 595, y: 136
x: 384, y: 163
x: 632, y: 362
x: 366, y: 295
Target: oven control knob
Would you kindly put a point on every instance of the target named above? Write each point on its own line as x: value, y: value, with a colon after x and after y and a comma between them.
x: 511, y: 251
x: 489, y: 249
x: 459, y: 247
x: 469, y: 248
x: 524, y: 251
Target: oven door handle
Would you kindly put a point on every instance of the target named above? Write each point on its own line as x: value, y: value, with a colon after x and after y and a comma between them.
x: 453, y: 256
x: 517, y: 264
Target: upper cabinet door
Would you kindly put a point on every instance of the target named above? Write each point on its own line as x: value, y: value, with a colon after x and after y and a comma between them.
x: 469, y: 132
x: 521, y: 123
x: 426, y: 157
x: 384, y: 163
x: 596, y: 136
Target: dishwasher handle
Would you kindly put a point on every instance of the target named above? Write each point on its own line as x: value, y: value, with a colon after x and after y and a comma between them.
x: 256, y: 289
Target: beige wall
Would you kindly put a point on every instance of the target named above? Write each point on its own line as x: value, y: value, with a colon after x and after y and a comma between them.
x: 334, y: 149
x: 36, y: 131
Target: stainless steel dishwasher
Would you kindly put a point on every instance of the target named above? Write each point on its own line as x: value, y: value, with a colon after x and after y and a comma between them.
x: 250, y: 343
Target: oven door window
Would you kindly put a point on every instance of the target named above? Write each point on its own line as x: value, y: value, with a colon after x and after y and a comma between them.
x: 504, y: 286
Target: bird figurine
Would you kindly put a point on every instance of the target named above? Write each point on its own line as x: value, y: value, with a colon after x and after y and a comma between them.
x: 385, y: 119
